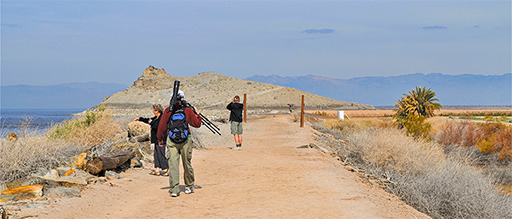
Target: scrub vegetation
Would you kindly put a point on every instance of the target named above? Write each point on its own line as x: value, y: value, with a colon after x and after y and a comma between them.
x: 455, y: 169
x: 33, y: 153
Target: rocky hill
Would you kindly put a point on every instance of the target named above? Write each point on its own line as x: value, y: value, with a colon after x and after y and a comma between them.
x: 210, y: 90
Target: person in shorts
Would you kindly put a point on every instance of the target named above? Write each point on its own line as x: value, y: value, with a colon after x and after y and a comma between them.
x: 235, y: 117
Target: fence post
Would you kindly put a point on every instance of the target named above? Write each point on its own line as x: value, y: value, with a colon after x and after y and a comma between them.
x: 302, y: 112
x: 245, y: 108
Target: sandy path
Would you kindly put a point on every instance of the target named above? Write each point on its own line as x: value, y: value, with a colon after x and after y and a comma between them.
x: 269, y: 178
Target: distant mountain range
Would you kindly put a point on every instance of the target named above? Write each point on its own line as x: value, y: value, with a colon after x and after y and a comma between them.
x: 72, y: 95
x: 466, y: 89
x: 377, y: 91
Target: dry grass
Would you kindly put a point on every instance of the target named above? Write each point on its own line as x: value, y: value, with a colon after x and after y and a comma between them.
x: 454, y: 191
x: 356, y: 124
x: 439, y: 182
x: 390, y: 150
x: 31, y: 153
x: 95, y: 128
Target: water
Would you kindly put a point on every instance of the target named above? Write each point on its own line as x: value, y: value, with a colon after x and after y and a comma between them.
x: 41, y: 120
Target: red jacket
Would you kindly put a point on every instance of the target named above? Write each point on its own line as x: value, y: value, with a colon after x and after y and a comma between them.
x: 192, y: 119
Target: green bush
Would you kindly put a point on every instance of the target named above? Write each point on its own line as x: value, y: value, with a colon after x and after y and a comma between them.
x: 64, y: 129
x: 415, y: 126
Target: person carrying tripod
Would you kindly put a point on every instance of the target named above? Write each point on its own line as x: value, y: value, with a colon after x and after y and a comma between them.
x: 236, y: 120
x: 174, y: 127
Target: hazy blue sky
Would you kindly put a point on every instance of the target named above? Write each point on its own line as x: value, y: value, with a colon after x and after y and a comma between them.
x: 53, y: 42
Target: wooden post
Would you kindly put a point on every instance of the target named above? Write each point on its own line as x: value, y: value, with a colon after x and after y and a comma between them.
x: 245, y: 108
x: 302, y: 112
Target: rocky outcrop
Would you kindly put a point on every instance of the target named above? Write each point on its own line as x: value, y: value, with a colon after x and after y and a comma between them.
x: 153, y: 79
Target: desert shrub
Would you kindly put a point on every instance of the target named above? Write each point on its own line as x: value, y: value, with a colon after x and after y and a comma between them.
x: 96, y: 127
x: 498, y: 170
x: 321, y: 128
x: 28, y: 154
x: 461, y: 133
x: 321, y: 113
x: 496, y: 138
x: 345, y: 127
x: 453, y: 191
x: 391, y: 150
x: 439, y: 181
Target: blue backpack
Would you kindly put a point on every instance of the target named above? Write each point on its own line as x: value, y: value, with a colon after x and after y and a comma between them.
x: 178, y: 126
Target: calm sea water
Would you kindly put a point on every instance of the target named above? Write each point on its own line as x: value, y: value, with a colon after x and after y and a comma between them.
x: 41, y: 120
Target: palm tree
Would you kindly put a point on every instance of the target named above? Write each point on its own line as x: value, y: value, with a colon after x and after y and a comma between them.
x: 419, y: 102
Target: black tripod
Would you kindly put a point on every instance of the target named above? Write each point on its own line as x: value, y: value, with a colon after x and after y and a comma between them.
x: 209, y: 124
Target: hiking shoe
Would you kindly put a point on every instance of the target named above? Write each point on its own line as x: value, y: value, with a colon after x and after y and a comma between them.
x: 174, y: 195
x: 189, y: 190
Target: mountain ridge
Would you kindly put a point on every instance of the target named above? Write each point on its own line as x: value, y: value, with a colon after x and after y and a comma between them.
x: 465, y: 89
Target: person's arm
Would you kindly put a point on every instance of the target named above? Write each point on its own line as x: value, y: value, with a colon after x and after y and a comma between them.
x: 162, y: 126
x: 193, y: 119
x: 145, y: 120
x: 231, y: 106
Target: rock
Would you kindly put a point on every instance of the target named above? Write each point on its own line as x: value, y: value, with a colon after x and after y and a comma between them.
x: 112, y: 175
x: 21, y: 193
x: 12, y: 137
x: 63, y: 182
x: 62, y: 170
x: 77, y: 179
x: 140, y: 138
x: 69, y: 172
x: 318, y: 147
x: 92, y: 180
x: 79, y: 160
x: 63, y: 192
x: 52, y: 174
x: 136, y: 163
x: 3, y: 212
x: 137, y: 128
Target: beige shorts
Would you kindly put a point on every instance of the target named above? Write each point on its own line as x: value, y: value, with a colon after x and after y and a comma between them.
x: 236, y: 128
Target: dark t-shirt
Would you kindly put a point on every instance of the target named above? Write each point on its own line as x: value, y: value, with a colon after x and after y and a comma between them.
x: 236, y: 111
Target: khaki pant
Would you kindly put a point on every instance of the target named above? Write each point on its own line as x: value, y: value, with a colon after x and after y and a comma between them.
x: 173, y: 155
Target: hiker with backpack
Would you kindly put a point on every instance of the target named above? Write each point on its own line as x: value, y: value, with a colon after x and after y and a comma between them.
x: 160, y: 161
x: 236, y: 121
x: 174, y: 127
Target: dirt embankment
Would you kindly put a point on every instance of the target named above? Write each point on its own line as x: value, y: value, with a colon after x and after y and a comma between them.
x: 269, y: 178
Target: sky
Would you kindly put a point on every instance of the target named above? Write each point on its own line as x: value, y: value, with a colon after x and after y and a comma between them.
x: 48, y: 42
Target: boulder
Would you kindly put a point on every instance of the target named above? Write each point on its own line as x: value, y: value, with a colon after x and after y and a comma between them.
x: 79, y: 160
x: 12, y: 137
x: 137, y: 128
x: 22, y: 193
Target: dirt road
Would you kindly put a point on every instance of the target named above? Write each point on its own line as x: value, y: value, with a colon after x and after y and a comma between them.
x: 269, y: 178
